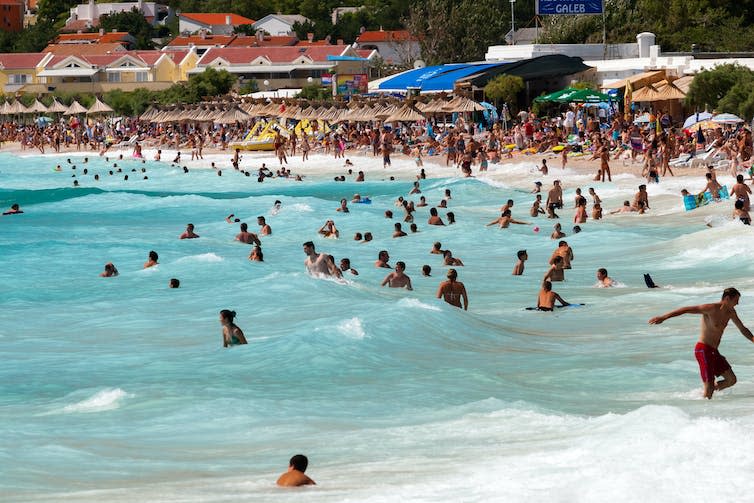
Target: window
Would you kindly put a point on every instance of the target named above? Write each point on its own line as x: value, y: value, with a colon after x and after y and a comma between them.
x: 19, y: 79
x: 142, y: 76
x: 113, y: 77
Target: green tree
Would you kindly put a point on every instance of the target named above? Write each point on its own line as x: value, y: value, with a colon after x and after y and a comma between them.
x: 133, y: 22
x: 315, y: 92
x: 504, y: 88
x: 711, y: 86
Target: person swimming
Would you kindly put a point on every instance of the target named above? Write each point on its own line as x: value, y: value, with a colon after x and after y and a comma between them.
x: 232, y: 334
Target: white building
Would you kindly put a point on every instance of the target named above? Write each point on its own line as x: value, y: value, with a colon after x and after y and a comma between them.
x: 85, y: 16
x: 279, y: 24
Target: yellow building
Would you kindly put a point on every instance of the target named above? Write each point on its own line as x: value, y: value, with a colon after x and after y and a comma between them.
x: 95, y: 73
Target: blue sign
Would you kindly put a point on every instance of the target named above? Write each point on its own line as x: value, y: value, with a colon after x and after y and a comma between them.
x: 554, y: 7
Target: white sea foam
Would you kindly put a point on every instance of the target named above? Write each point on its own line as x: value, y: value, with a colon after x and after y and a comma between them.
x: 106, y: 399
x: 352, y: 328
x: 203, y: 257
x: 416, y: 303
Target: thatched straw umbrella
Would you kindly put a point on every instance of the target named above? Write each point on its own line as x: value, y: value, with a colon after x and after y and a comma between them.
x: 56, y: 107
x: 148, y: 114
x: 37, y: 108
x: 99, y: 108
x: 75, y: 108
x: 17, y: 108
x: 462, y: 104
x: 407, y: 113
x: 646, y: 93
x: 233, y: 115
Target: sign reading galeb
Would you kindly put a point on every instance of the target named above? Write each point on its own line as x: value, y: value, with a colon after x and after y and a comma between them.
x: 553, y: 7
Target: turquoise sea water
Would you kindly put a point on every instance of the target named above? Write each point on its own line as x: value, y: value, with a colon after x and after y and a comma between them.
x: 118, y: 389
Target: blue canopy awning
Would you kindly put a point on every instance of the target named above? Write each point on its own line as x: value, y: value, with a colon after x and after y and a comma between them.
x: 413, y: 78
x: 435, y: 78
x: 446, y: 81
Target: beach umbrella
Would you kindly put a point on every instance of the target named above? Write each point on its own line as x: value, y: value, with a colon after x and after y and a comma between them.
x: 556, y: 95
x: 56, y: 107
x: 233, y: 115
x: 727, y: 119
x: 463, y: 104
x: 584, y: 96
x: 4, y: 108
x: 703, y: 125
x: 646, y: 93
x: 697, y: 117
x: 75, y: 109
x: 16, y: 108
x: 406, y: 113
x: 36, y: 108
x: 99, y: 108
x: 669, y: 91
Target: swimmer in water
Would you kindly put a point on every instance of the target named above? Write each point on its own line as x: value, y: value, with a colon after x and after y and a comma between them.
x: 15, y: 209
x: 397, y: 278
x: 276, y: 207
x: 318, y: 263
x: 295, y: 475
x: 110, y: 271
x: 247, y: 237
x: 546, y: 299
x: 518, y: 269
x: 453, y: 292
x: 232, y: 334
x: 174, y: 283
x: 264, y: 228
x: 152, y: 260
x: 603, y: 280
x: 189, y: 233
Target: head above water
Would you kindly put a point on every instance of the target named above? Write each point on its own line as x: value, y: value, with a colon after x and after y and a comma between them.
x: 731, y: 293
x: 228, y: 315
x: 299, y: 462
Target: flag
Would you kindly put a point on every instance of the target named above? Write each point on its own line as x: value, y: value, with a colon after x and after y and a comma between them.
x: 627, y: 101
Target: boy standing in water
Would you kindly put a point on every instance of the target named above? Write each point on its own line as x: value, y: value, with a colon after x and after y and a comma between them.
x: 715, y: 318
x: 295, y: 475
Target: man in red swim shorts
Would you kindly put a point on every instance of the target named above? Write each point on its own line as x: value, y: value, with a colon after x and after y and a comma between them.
x: 715, y: 318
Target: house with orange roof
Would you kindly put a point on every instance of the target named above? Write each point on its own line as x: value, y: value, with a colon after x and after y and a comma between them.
x: 12, y: 15
x: 101, y: 37
x: 287, y: 67
x: 396, y: 47
x: 71, y: 49
x: 214, y: 23
x: 19, y: 69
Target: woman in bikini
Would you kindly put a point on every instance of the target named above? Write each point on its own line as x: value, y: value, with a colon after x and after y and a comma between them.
x: 232, y: 335
x: 452, y: 291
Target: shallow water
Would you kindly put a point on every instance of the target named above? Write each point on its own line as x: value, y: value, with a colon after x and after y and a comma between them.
x: 119, y: 389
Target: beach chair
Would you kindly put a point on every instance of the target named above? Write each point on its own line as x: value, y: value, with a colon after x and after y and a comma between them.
x: 682, y: 160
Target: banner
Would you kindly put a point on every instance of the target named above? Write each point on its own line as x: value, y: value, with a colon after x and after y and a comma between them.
x: 352, y: 84
x: 554, y: 7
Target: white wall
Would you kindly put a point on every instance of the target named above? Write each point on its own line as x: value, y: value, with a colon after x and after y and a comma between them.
x: 274, y: 27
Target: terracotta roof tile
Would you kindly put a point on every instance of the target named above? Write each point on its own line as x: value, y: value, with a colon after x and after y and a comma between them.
x: 20, y: 60
x: 198, y: 40
x: 217, y: 18
x: 245, y: 55
x: 267, y: 41
x: 384, y: 36
x: 82, y: 49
